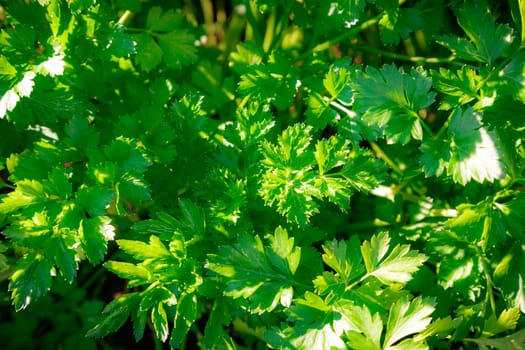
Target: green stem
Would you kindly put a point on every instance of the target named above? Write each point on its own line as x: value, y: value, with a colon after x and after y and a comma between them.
x: 366, y: 225
x: 426, y: 128
x: 347, y: 34
x: 522, y: 15
x: 385, y: 157
x: 6, y: 185
x: 280, y: 27
x: 125, y: 18
x: 252, y: 21
x: 489, y: 298
x: 269, y: 34
x: 136, y: 30
x: 396, y: 56
x: 209, y: 25
x: 343, y: 109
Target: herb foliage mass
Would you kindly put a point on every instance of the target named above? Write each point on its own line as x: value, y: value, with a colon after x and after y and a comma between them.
x: 262, y: 174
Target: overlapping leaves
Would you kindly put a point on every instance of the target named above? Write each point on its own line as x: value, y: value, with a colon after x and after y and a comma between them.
x: 264, y: 275
x: 391, y: 99
x: 165, y: 40
x: 296, y: 174
x: 339, y: 315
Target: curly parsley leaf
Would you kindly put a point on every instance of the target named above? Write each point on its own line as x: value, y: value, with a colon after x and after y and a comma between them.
x: 297, y: 174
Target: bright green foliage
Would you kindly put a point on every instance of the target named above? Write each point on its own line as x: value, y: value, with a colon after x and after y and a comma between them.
x: 486, y: 39
x: 269, y: 270
x: 171, y: 279
x: 273, y: 81
x: 405, y: 318
x: 296, y: 175
x: 397, y: 267
x: 474, y: 151
x: 460, y: 87
x: 391, y: 99
x: 397, y: 23
x: 164, y: 40
x: 262, y: 174
x: 325, y: 323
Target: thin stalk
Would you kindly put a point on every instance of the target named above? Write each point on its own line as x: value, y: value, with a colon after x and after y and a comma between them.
x: 125, y: 18
x: 348, y: 34
x: 426, y: 128
x: 396, y: 56
x: 252, y: 21
x: 209, y: 25
x: 280, y: 27
x: 343, y: 109
x: 522, y: 15
x: 270, y: 30
x: 489, y: 298
x: 369, y: 224
x: 385, y: 157
x: 6, y: 185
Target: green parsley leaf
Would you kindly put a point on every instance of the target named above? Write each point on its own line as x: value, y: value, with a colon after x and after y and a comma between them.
x: 261, y: 274
x: 366, y: 329
x: 488, y: 40
x: 406, y: 318
x: 94, y: 234
x: 344, y: 258
x: 30, y: 280
x: 27, y: 192
x: 62, y: 248
x: 511, y: 342
x: 155, y: 249
x: 474, y: 151
x: 149, y: 54
x: 396, y: 267
x: 163, y: 21
x: 178, y: 48
x: 391, y: 99
x: 160, y: 322
x: 313, y: 328
x: 460, y: 87
x: 136, y: 274
x: 273, y: 81
x: 164, y: 40
x: 507, y: 320
x: 5, y: 67
x: 397, y: 23
x: 320, y: 112
x: 94, y: 199
x: 220, y: 316
x: 184, y: 318
x: 435, y: 156
x: 116, y: 312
